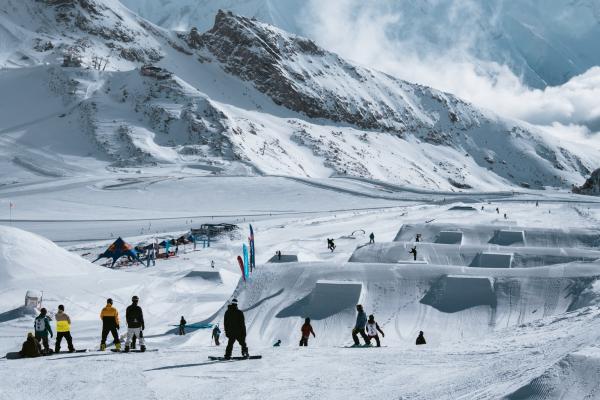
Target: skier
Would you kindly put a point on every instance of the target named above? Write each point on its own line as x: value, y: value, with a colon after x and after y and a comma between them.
x: 372, y: 329
x: 359, y: 327
x: 371, y: 238
x: 63, y: 329
x: 42, y: 329
x: 216, y: 332
x: 306, y: 330
x: 420, y: 339
x: 135, y: 324
x: 110, y: 324
x: 235, y: 329
x: 413, y: 251
x: 31, y: 347
x: 182, y: 323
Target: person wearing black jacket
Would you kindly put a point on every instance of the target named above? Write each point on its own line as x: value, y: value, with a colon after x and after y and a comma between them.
x: 235, y: 329
x: 182, y: 324
x: 31, y: 347
x: 135, y: 324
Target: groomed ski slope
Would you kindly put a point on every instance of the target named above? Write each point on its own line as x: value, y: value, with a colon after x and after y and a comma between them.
x: 492, y: 333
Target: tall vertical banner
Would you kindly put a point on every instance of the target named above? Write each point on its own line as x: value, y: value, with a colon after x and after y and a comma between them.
x: 252, y: 252
x: 241, y: 262
x: 246, y: 262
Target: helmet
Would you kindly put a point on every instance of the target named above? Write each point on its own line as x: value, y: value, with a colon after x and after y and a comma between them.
x: 135, y: 299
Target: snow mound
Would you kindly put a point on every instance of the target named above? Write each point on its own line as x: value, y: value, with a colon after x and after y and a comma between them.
x: 24, y: 255
x: 327, y: 299
x: 573, y: 377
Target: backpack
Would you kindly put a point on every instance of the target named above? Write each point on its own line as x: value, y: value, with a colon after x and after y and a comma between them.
x: 40, y: 324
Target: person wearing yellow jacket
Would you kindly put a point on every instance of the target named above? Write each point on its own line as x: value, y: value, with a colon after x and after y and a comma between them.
x: 63, y: 329
x: 110, y: 323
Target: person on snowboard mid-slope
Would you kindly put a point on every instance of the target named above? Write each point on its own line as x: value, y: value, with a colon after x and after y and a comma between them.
x: 43, y: 329
x: 135, y: 324
x: 182, y: 324
x: 372, y: 329
x: 420, y: 339
x: 216, y: 333
x: 413, y: 251
x: 235, y: 329
x: 63, y: 329
x: 110, y: 324
x: 31, y: 347
x: 306, y: 330
x: 359, y: 327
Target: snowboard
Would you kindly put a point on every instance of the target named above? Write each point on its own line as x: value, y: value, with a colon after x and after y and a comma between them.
x: 213, y: 358
x: 76, y: 351
x: 134, y: 351
x: 15, y: 355
x: 362, y: 346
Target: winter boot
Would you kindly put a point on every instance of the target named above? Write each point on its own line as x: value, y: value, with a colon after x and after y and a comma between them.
x: 118, y: 346
x: 142, y: 348
x: 102, y: 346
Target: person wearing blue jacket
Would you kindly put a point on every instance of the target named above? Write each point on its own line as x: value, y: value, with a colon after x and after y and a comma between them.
x: 359, y: 327
x: 43, y: 329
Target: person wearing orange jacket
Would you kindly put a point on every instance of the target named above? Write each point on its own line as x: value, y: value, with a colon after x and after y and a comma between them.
x: 110, y: 323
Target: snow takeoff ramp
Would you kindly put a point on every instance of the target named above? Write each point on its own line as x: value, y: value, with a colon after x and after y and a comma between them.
x: 452, y: 294
x: 212, y: 276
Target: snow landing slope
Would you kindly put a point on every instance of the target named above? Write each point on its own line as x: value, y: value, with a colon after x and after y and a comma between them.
x: 243, y: 98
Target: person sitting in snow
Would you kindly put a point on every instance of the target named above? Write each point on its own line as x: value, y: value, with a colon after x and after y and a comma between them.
x: 420, y: 339
x: 43, y: 329
x: 306, y: 330
x: 372, y: 329
x: 31, y: 347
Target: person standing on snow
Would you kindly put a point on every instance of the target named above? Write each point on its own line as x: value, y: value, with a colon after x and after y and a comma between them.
x: 359, y: 327
x: 43, y: 329
x: 110, y: 324
x: 216, y: 333
x: 135, y: 324
x: 420, y: 339
x: 372, y: 329
x: 413, y: 251
x: 371, y: 238
x: 182, y: 323
x: 306, y: 330
x: 63, y: 329
x: 235, y: 329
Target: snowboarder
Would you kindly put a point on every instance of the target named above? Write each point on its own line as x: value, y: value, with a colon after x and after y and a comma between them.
x: 63, y: 329
x: 371, y: 238
x: 212, y: 264
x: 135, y: 324
x: 306, y: 330
x: 110, y: 324
x: 537, y: 203
x: 277, y: 343
x: 420, y: 339
x: 278, y: 253
x: 43, y: 329
x: 182, y: 323
x: 330, y: 244
x: 497, y: 210
x: 359, y: 327
x: 482, y: 208
x: 372, y: 329
x: 235, y: 329
x: 413, y: 251
x: 505, y: 217
x: 31, y: 347
x: 418, y: 237
x: 216, y: 333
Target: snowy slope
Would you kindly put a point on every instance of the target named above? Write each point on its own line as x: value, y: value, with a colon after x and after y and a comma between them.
x: 245, y: 97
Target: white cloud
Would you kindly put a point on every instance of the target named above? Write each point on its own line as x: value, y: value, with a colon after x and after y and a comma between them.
x: 439, y: 44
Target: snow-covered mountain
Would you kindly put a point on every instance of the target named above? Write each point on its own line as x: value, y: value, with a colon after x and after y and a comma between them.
x: 546, y: 42
x: 243, y: 97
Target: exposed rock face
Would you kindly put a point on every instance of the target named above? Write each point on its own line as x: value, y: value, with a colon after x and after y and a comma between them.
x: 591, y: 186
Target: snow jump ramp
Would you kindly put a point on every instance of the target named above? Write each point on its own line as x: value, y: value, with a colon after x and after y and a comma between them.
x: 212, y: 276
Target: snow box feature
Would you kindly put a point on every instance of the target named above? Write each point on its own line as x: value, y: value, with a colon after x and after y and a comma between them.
x: 213, y: 276
x: 285, y: 258
x: 449, y: 237
x: 454, y: 293
x: 328, y: 298
x: 508, y: 238
x: 492, y: 260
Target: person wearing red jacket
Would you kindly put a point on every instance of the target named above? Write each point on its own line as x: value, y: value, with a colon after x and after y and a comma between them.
x: 306, y: 331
